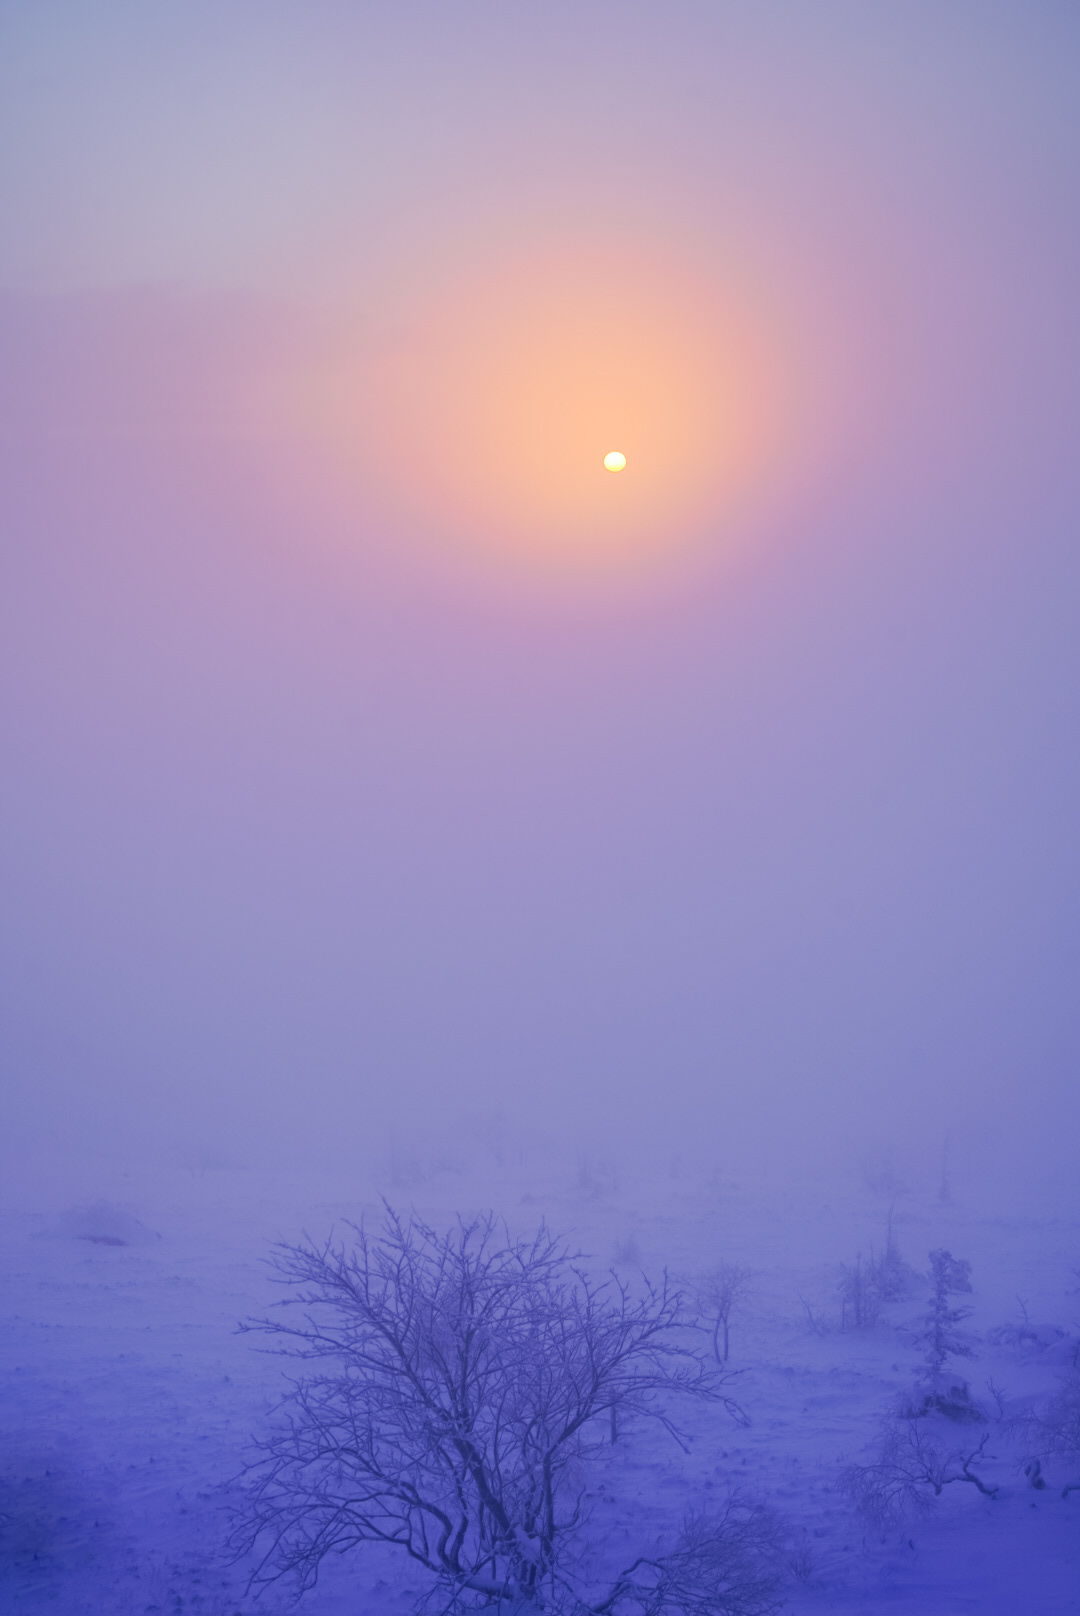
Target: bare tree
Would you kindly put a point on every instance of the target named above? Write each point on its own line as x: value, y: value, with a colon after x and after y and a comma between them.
x: 912, y: 1468
x: 717, y: 1295
x: 461, y: 1382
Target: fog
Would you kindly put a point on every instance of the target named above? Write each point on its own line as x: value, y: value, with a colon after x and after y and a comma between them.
x: 315, y: 832
x: 779, y: 863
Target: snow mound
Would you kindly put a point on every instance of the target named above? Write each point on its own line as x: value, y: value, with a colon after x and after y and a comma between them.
x: 103, y: 1225
x: 1049, y: 1340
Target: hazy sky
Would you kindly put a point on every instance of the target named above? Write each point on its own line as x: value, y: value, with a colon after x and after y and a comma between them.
x: 373, y: 758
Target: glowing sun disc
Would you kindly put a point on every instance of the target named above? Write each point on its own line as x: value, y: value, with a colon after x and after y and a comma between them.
x: 614, y: 461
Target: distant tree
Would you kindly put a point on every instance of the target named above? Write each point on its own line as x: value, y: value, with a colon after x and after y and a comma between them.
x: 942, y: 1338
x: 718, y: 1294
x: 891, y: 1273
x: 461, y: 1382
x: 866, y: 1288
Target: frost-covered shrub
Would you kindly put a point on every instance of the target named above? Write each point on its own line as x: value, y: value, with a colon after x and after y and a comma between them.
x: 1054, y: 1430
x: 726, y: 1564
x: 716, y: 1296
x: 459, y: 1386
x: 916, y: 1458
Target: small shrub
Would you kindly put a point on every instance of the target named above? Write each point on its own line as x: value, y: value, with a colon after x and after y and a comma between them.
x: 914, y: 1463
x: 717, y: 1295
x: 1054, y: 1431
x: 726, y: 1564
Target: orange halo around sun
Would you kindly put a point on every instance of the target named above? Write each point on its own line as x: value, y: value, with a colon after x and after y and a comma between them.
x: 482, y: 420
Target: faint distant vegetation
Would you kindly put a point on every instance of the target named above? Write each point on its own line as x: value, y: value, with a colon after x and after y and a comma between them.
x: 860, y: 1295
x: 866, y: 1288
x: 881, y: 1177
x: 628, y: 1252
x: 199, y: 1160
x: 595, y: 1178
x: 460, y: 1387
x: 718, y: 1294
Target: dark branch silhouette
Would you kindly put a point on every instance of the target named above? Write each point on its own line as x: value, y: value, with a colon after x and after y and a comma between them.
x: 459, y: 1384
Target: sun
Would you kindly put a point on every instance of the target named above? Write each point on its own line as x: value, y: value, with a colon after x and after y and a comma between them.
x: 516, y: 372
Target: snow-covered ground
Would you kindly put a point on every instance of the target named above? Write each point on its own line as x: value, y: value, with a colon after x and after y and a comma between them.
x: 128, y: 1396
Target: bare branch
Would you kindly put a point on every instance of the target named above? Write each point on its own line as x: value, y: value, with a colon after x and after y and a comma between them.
x: 725, y: 1564
x: 457, y: 1381
x: 912, y: 1468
